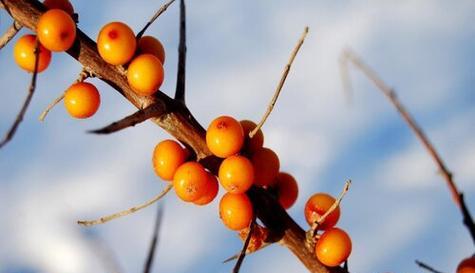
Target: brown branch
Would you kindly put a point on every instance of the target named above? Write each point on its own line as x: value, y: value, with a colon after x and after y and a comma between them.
x: 31, y: 91
x: 161, y: 10
x: 242, y: 255
x: 427, y: 267
x: 180, y: 79
x: 9, y: 34
x: 153, y: 243
x: 126, y: 212
x: 281, y: 83
x: 391, y: 96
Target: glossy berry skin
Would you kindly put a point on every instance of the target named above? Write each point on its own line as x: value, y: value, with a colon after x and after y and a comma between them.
x: 211, y: 191
x: 145, y: 74
x: 287, y: 189
x: 168, y: 155
x: 266, y: 167
x: 236, y: 174
x: 24, y: 54
x: 82, y: 100
x: 467, y: 265
x: 316, y: 207
x: 56, y: 30
x: 60, y: 4
x: 116, y: 43
x: 151, y: 45
x: 333, y: 247
x: 255, y: 143
x: 224, y: 136
x: 190, y: 181
x: 235, y: 210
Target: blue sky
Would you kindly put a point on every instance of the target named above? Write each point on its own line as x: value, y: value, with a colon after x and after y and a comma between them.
x: 398, y: 208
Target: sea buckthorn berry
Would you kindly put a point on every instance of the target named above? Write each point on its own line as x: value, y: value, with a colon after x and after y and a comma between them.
x: 151, y: 45
x: 190, y: 181
x: 24, y: 54
x: 258, y: 237
x: 255, y: 143
x: 316, y: 206
x: 60, y: 4
x: 211, y: 192
x: 287, y: 189
x: 224, y: 136
x: 467, y: 265
x: 168, y: 155
x: 266, y: 166
x: 116, y: 43
x: 236, y: 174
x: 333, y: 247
x: 56, y: 30
x: 82, y: 100
x: 235, y: 210
x: 145, y: 74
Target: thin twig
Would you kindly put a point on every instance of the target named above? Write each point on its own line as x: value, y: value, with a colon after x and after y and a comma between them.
x: 9, y: 34
x: 345, y: 79
x: 161, y: 10
x: 427, y: 267
x: 281, y: 83
x: 105, y: 254
x: 105, y: 219
x: 244, y: 247
x: 180, y: 79
x: 235, y: 256
x: 31, y: 91
x: 153, y: 243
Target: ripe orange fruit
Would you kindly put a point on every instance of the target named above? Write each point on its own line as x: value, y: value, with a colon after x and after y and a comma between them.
x: 145, y: 74
x: 467, y: 265
x: 211, y: 192
x: 266, y: 166
x: 151, y: 45
x: 235, y: 210
x: 287, y: 189
x: 116, y: 43
x: 236, y: 174
x: 224, y: 136
x: 82, y: 100
x: 56, y: 30
x: 316, y: 207
x: 168, y: 155
x: 255, y: 143
x: 60, y: 4
x: 333, y: 247
x: 190, y: 181
x: 24, y: 54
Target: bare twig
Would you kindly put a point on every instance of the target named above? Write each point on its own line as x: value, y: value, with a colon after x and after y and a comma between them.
x: 161, y: 10
x: 9, y: 34
x: 153, y: 243
x: 31, y: 91
x: 105, y: 253
x: 345, y: 79
x: 105, y: 219
x: 180, y: 79
x: 427, y: 267
x: 244, y: 247
x: 281, y: 82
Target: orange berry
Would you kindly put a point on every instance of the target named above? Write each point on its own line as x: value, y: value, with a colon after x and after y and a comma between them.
x: 82, y: 100
x: 287, y: 189
x: 224, y: 136
x: 333, y: 247
x: 60, y: 4
x: 168, y: 155
x: 258, y: 237
x: 116, y: 43
x: 236, y: 174
x: 145, y: 74
x: 467, y: 265
x: 211, y: 192
x: 24, y: 54
x: 56, y: 30
x: 151, y: 45
x: 255, y: 143
x: 316, y: 206
x: 190, y: 181
x: 266, y: 166
x: 235, y: 210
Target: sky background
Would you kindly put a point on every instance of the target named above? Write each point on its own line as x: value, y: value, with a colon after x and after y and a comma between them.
x: 398, y: 208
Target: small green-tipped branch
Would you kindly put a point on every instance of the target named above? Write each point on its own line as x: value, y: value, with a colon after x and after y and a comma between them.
x: 161, y: 10
x: 9, y: 34
x: 153, y: 242
x: 180, y: 79
x: 242, y: 255
x: 427, y: 267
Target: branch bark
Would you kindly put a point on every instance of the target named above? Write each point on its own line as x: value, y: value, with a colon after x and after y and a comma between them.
x: 9, y: 34
x: 180, y: 79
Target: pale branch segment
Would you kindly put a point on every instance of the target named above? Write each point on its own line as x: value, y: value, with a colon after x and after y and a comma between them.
x: 281, y: 83
x: 242, y: 255
x: 345, y: 78
x: 427, y: 267
x: 31, y: 91
x: 180, y: 79
x: 104, y: 253
x: 108, y: 218
x: 153, y: 242
x: 161, y: 10
x: 9, y: 34
x: 392, y: 97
